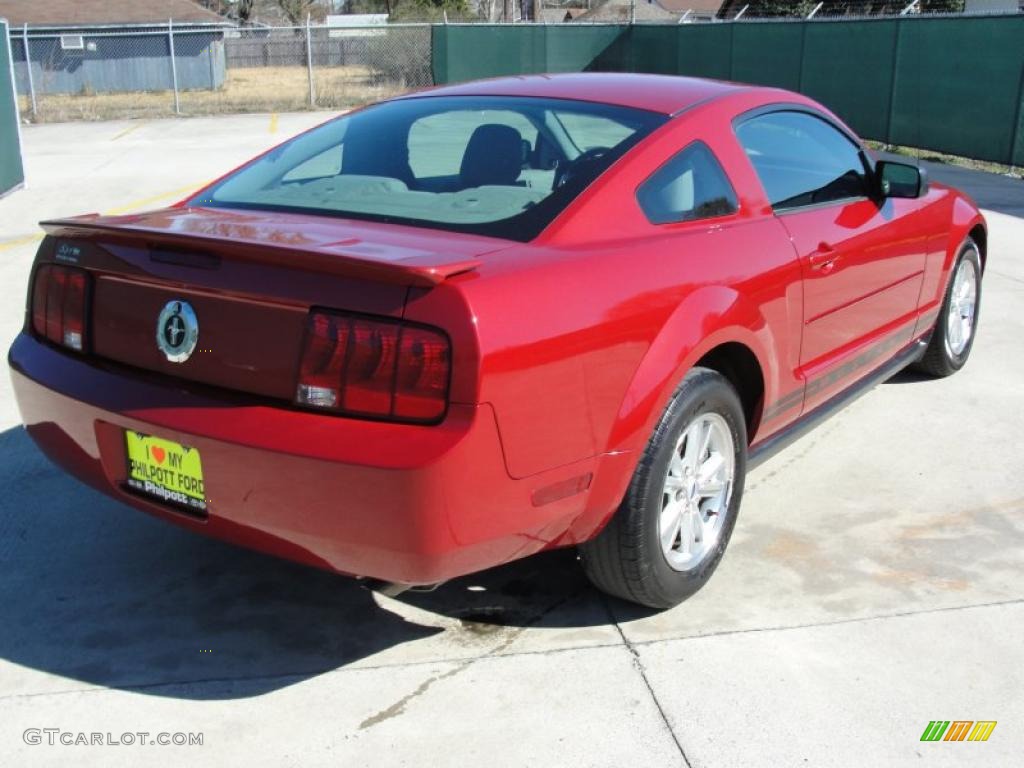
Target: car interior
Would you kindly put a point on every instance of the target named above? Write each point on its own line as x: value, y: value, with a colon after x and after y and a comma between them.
x: 498, y: 168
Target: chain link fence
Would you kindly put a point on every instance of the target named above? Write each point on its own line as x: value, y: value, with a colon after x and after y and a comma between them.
x: 110, y: 72
x: 170, y: 70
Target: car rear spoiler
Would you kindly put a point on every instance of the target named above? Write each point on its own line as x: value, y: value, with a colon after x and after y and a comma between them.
x: 344, y: 258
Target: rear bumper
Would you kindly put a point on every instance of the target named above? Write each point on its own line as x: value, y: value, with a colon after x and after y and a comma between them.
x: 401, y: 503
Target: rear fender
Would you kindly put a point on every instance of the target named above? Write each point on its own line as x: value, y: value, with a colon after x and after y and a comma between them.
x: 707, y: 318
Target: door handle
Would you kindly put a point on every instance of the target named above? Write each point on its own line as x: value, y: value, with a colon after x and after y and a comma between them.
x: 824, y: 257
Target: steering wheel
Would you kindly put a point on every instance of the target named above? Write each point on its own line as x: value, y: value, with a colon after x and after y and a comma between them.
x: 568, y: 170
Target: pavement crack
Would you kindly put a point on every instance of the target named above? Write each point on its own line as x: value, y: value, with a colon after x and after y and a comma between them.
x: 396, y: 709
x: 832, y: 623
x: 399, y: 706
x: 638, y: 665
x: 1006, y: 276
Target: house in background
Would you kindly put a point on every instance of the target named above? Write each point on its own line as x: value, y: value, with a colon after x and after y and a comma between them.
x: 692, y: 10
x: 96, y: 46
x: 994, y: 6
x: 561, y: 13
x: 833, y: 8
x: 624, y: 11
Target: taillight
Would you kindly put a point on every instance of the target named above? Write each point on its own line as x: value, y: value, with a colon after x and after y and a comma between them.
x: 58, y: 305
x: 370, y: 367
x: 421, y: 381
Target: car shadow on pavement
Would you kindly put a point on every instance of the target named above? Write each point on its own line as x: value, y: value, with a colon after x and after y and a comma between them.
x: 99, y: 593
x: 909, y: 376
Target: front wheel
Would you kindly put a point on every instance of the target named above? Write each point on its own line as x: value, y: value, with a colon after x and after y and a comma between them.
x: 672, y: 528
x: 953, y: 337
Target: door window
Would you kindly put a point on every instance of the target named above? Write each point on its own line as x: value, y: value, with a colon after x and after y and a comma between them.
x: 802, y: 159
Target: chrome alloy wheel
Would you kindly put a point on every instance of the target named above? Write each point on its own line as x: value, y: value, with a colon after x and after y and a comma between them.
x: 698, y: 488
x: 963, y: 303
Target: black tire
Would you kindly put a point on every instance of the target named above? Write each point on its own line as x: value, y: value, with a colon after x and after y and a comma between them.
x: 939, y: 360
x: 626, y: 559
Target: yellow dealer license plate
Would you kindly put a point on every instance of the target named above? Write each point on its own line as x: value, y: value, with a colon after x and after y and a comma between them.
x: 165, y: 470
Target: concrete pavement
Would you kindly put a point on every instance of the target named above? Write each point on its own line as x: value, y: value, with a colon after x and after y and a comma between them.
x: 874, y: 582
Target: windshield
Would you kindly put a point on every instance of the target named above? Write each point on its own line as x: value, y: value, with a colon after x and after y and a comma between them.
x: 498, y: 166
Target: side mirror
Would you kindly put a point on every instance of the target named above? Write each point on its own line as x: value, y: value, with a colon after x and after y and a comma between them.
x: 900, y: 180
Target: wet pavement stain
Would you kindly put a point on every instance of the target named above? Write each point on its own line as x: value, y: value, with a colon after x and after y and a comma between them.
x: 917, y: 578
x: 488, y: 620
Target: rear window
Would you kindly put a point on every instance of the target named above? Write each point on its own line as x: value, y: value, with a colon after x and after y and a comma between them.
x: 497, y: 166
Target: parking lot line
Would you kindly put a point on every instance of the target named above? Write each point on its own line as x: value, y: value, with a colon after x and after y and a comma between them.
x: 143, y: 202
x: 129, y: 129
x: 117, y: 211
x: 20, y: 241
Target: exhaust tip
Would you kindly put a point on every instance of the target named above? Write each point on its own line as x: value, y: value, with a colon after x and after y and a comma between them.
x: 394, y: 589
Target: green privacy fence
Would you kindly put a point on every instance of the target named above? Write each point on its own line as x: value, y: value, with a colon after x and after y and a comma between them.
x: 464, y: 52
x: 12, y: 173
x: 949, y: 84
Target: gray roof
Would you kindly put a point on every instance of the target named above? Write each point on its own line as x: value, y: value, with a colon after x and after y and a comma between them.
x: 87, y: 13
x: 620, y: 11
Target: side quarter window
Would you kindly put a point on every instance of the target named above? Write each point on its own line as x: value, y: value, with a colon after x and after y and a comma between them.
x: 802, y: 159
x: 690, y: 186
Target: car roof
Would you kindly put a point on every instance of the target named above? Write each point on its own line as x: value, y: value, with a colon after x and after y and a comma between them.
x: 666, y: 94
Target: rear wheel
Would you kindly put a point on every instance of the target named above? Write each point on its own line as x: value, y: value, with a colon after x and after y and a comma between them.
x: 672, y: 528
x: 955, y: 329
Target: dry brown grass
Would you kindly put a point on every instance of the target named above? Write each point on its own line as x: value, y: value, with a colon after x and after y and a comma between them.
x: 942, y: 157
x: 256, y: 89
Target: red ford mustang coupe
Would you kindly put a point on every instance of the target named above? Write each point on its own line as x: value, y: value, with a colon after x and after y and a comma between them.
x: 456, y: 328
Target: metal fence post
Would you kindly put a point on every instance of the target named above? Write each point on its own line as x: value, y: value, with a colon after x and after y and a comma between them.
x: 28, y: 70
x: 174, y: 66
x: 1018, y: 125
x: 309, y: 61
x: 803, y: 57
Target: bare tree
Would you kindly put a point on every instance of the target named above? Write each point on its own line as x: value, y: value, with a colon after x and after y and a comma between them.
x: 298, y: 10
x: 239, y: 10
x: 488, y: 9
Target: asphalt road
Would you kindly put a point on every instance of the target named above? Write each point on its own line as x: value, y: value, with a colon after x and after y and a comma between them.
x: 874, y: 582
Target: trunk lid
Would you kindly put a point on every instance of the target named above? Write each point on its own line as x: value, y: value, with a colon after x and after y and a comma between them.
x: 251, y: 279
